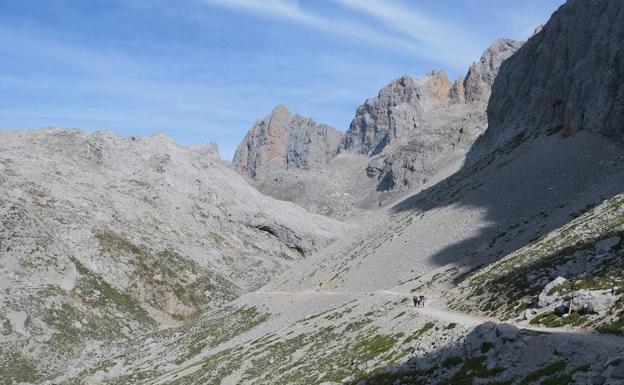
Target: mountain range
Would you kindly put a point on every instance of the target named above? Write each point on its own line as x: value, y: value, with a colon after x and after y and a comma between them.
x: 498, y: 197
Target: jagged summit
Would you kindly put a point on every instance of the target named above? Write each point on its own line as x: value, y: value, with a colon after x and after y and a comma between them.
x: 415, y: 127
x: 397, y: 108
x: 401, y: 106
x: 282, y: 140
x: 477, y: 84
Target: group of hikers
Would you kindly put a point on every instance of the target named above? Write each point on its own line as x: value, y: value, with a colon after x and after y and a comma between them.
x: 419, y: 300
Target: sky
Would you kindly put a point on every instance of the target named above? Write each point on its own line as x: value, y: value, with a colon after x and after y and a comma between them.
x: 205, y: 70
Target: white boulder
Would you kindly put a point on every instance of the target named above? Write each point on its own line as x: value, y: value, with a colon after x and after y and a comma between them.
x: 545, y: 298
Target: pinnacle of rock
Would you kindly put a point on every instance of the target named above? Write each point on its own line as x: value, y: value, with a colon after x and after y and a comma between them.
x: 478, y: 82
x: 282, y: 140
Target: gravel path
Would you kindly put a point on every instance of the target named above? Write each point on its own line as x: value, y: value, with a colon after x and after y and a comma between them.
x: 434, y: 310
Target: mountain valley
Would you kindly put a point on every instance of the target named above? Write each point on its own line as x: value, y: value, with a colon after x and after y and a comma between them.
x: 499, y: 197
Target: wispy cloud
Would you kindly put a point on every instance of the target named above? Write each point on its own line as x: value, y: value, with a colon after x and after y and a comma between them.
x: 414, y: 33
x: 446, y: 42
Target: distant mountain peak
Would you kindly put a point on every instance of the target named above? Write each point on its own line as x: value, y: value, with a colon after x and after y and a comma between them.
x: 282, y: 140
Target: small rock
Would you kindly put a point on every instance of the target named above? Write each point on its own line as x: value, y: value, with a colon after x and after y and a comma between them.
x: 529, y: 314
x: 561, y: 309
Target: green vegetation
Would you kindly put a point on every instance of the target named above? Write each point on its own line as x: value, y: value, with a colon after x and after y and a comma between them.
x: 452, y: 361
x: 450, y: 326
x: 167, y: 274
x: 211, y: 332
x: 417, y: 334
x: 615, y: 327
x: 554, y: 321
x: 546, y: 371
x: 16, y: 368
x: 99, y: 294
x: 486, y: 347
x: 401, y: 314
x: 473, y: 368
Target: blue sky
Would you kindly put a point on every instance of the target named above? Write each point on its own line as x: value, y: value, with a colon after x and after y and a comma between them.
x: 205, y: 70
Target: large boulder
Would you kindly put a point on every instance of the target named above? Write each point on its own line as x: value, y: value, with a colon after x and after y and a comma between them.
x: 596, y: 301
x: 545, y: 298
x: 489, y: 334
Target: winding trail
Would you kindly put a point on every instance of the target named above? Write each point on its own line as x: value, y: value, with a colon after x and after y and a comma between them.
x: 469, y: 320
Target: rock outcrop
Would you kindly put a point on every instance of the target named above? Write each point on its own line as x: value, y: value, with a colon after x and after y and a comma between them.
x: 568, y: 77
x: 476, y: 86
x: 394, y: 112
x: 283, y: 141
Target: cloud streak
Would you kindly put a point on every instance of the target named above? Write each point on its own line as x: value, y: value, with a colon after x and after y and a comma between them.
x: 413, y: 33
x: 441, y: 40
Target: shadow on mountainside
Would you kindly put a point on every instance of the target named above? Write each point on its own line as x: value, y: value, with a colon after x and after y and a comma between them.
x: 501, y: 354
x: 526, y: 188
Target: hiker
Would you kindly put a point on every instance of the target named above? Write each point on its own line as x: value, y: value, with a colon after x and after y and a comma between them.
x: 421, y: 300
x: 416, y: 301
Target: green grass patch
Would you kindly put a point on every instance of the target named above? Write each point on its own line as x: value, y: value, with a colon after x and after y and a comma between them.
x: 546, y: 371
x: 417, y: 334
x: 452, y: 361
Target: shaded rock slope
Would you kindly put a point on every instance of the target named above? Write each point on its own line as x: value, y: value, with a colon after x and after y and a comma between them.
x: 567, y: 78
x: 103, y: 237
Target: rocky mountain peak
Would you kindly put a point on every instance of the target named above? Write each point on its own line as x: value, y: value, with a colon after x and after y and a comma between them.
x: 282, y: 140
x: 477, y: 84
x: 210, y: 150
x: 399, y: 108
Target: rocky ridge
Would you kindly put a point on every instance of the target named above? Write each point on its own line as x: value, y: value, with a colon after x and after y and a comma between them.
x: 412, y: 130
x: 414, y: 127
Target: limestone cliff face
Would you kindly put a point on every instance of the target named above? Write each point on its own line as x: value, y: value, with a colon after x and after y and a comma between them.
x: 281, y: 141
x: 396, y: 110
x: 413, y: 127
x: 568, y: 77
x: 476, y: 86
